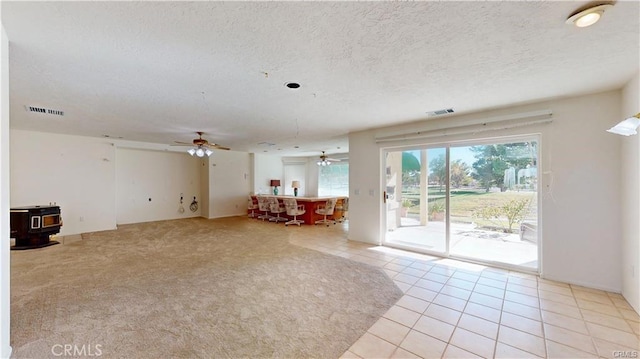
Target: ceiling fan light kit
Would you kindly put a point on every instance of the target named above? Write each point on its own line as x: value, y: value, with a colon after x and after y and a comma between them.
x: 627, y: 127
x: 325, y: 160
x: 199, y: 151
x: 200, y: 146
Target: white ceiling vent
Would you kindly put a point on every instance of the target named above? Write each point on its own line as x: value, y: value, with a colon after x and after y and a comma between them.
x: 440, y: 112
x: 45, y: 111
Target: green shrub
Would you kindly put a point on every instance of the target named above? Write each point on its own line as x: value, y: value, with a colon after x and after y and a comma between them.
x: 436, y: 207
x: 514, y: 211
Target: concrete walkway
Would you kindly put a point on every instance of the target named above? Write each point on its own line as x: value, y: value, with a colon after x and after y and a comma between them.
x: 467, y: 241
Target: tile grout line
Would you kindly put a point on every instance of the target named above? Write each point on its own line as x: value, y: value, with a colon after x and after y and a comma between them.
x: 591, y: 338
x: 461, y: 314
x: 422, y: 314
x: 539, y: 300
x: 544, y: 334
x: 495, y: 347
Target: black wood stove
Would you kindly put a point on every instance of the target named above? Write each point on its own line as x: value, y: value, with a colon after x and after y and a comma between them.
x: 31, y: 226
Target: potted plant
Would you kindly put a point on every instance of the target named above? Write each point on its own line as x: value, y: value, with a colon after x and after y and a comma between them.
x: 406, y: 204
x: 436, y: 211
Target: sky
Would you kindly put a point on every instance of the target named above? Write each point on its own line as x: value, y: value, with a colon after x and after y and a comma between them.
x: 463, y: 153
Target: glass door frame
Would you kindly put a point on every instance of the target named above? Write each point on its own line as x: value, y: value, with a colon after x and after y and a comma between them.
x: 419, y: 147
x: 462, y: 143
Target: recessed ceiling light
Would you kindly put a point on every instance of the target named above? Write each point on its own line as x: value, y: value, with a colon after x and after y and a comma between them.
x: 292, y: 85
x: 588, y: 16
x: 296, y: 146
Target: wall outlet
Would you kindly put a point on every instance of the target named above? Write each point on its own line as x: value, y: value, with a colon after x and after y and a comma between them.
x: 633, y: 271
x: 356, y: 192
x: 81, y: 219
x: 371, y: 192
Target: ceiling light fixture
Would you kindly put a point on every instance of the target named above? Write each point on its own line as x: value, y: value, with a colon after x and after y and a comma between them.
x: 200, y: 147
x: 589, y: 16
x: 199, y: 151
x: 627, y: 127
x: 325, y: 160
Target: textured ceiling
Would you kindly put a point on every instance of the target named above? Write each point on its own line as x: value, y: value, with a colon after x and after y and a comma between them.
x: 159, y: 71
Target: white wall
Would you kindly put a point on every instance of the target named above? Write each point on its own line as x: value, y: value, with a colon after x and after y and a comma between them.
x: 204, y: 188
x: 229, y: 183
x: 295, y: 169
x: 365, y: 201
x: 157, y: 175
x: 313, y: 175
x: 630, y: 200
x: 77, y: 173
x: 580, y: 203
x: 5, y: 297
x: 266, y: 168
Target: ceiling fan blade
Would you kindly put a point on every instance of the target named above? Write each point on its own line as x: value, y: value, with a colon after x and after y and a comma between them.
x: 333, y: 159
x: 178, y: 143
x: 201, y: 142
x: 217, y: 147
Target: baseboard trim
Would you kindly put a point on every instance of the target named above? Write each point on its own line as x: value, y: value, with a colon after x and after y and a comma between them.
x: 69, y: 239
x: 243, y: 214
x: 363, y: 241
x: 582, y: 284
x: 8, y: 352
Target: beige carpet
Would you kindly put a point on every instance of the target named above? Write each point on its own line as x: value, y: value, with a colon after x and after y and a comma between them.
x: 193, y: 288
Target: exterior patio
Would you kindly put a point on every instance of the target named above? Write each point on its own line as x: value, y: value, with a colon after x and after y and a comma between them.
x: 467, y: 241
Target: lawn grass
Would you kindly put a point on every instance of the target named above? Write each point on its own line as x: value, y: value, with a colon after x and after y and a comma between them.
x: 463, y: 205
x: 465, y: 202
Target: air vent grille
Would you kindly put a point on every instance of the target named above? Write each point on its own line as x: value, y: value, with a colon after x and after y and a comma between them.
x: 45, y: 111
x: 440, y: 112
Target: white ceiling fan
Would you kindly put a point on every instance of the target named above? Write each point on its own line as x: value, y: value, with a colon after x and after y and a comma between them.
x: 200, y: 146
x: 326, y: 160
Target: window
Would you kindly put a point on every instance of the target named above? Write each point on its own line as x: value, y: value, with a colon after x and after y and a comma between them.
x: 333, y: 180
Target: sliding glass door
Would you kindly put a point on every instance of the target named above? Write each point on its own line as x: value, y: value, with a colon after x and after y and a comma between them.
x: 493, y: 203
x: 476, y: 201
x: 416, y: 187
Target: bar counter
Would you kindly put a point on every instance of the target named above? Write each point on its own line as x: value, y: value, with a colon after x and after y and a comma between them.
x: 310, y: 204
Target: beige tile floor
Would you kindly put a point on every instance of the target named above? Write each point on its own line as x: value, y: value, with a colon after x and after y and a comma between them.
x: 452, y: 309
